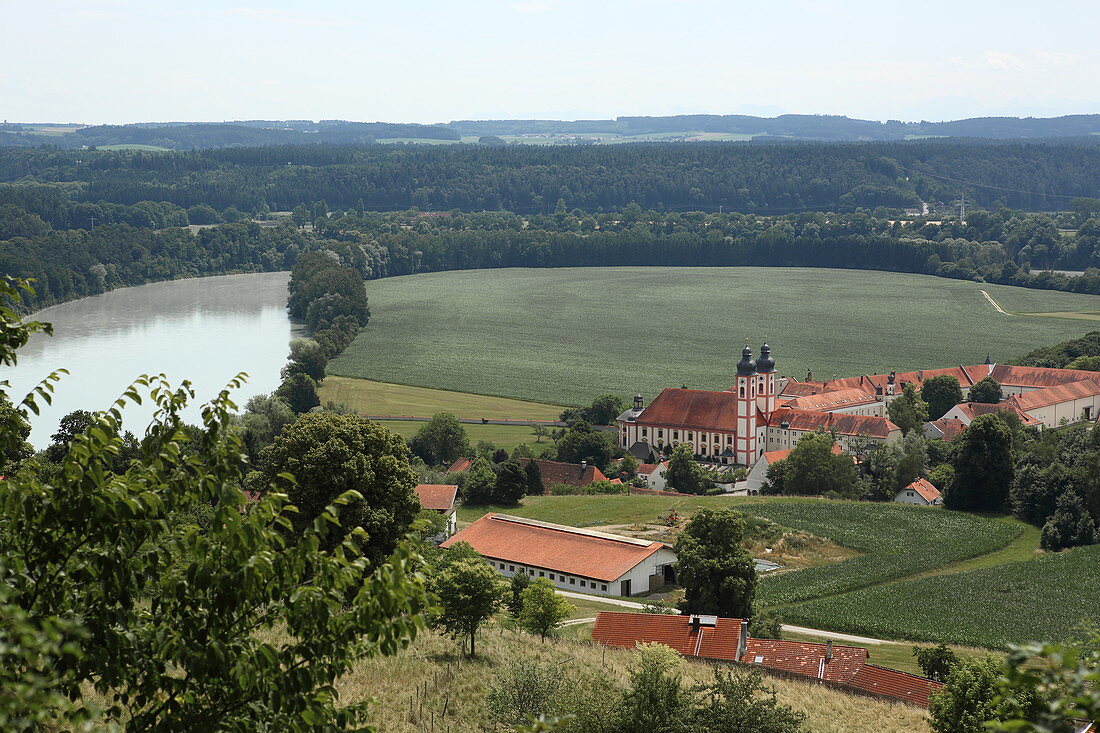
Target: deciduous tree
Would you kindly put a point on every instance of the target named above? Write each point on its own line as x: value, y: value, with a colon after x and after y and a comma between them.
x: 469, y: 592
x: 986, y: 390
x: 941, y: 394
x: 983, y: 467
x: 441, y: 441
x: 718, y: 575
x: 543, y: 609
x: 908, y: 411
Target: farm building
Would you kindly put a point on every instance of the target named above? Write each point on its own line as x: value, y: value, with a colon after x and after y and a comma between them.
x: 440, y: 498
x: 572, y: 559
x: 727, y: 640
x: 921, y: 492
x: 555, y: 473
x: 653, y: 475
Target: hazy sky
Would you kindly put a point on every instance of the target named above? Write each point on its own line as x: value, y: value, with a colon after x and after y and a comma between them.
x: 100, y: 61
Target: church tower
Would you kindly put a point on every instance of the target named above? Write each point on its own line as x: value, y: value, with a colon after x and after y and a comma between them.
x: 747, y: 389
x: 765, y: 380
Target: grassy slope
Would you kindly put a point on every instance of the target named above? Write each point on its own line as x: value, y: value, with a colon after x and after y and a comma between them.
x: 502, y: 436
x: 380, y: 398
x: 566, y: 335
x: 433, y: 665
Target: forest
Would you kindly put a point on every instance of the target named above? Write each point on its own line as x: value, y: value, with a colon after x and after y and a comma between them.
x: 758, y: 178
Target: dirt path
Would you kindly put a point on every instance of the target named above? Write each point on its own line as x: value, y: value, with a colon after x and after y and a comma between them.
x: 994, y: 303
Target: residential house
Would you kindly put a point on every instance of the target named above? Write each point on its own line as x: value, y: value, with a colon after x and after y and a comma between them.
x: 921, y: 492
x: 440, y: 498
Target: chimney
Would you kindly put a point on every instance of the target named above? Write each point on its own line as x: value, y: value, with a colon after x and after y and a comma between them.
x: 743, y: 641
x: 809, y: 376
x: 638, y: 402
x: 828, y: 651
x: 584, y: 465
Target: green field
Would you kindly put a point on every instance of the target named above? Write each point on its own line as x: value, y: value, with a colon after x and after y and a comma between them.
x: 1044, y: 598
x: 565, y: 335
x: 502, y: 436
x: 379, y: 398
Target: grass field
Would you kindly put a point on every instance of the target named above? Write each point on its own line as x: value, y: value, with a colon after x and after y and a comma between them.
x: 502, y: 436
x: 379, y: 398
x: 565, y: 335
x: 413, y: 687
x: 1043, y: 598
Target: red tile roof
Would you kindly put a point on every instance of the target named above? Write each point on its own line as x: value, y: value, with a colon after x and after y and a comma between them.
x: 806, y: 658
x: 924, y: 487
x: 692, y: 408
x: 950, y: 427
x: 1053, y: 395
x: 967, y: 376
x: 647, y: 468
x: 555, y: 547
x: 553, y: 473
x: 627, y: 630
x: 972, y: 410
x: 459, y: 465
x: 833, y: 400
x: 799, y: 389
x: 808, y: 420
x: 437, y: 497
x: 1040, y: 377
x: 892, y: 683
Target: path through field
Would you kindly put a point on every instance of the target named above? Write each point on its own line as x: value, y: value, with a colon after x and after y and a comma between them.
x: 994, y: 303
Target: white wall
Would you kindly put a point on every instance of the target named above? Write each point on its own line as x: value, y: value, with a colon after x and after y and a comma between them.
x: 638, y: 575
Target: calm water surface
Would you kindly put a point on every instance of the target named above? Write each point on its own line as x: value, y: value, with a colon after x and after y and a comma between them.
x: 205, y: 330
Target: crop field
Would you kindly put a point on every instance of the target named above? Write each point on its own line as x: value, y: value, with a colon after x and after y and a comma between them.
x: 895, y: 541
x: 566, y: 335
x: 1041, y: 599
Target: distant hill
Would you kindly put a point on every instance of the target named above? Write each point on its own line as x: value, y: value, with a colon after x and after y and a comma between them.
x: 251, y: 133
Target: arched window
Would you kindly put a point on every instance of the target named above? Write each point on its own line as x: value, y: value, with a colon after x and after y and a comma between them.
x: 741, y: 391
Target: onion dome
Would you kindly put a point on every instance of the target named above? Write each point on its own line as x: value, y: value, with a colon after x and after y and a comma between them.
x: 765, y: 363
x: 746, y: 367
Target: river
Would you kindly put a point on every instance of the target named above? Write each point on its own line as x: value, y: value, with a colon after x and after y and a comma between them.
x: 205, y: 330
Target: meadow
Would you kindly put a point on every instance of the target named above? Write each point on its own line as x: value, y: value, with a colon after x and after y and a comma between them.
x: 379, y: 398
x: 502, y: 436
x: 563, y: 336
x: 1040, y: 599
x: 413, y: 687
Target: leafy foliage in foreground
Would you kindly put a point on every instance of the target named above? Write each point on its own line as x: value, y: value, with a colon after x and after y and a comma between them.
x: 117, y: 609
x: 1041, y: 599
x: 896, y: 541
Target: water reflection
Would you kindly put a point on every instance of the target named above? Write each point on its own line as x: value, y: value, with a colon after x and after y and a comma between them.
x: 205, y: 330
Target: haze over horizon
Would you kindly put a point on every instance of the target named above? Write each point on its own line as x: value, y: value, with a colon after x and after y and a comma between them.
x: 126, y: 61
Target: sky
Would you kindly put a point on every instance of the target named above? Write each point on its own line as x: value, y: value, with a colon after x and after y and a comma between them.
x: 116, y: 61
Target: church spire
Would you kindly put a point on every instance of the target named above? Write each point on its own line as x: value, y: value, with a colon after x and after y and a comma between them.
x: 746, y: 367
x: 765, y: 363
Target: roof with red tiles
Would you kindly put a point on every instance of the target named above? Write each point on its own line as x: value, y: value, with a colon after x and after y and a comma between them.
x: 1040, y: 377
x: 950, y: 427
x: 437, y: 497
x: 835, y: 663
x: 892, y: 683
x: 833, y: 400
x: 627, y: 630
x: 692, y: 408
x: 647, y: 468
x: 556, y: 547
x: 809, y: 420
x: 967, y: 376
x: 553, y: 473
x: 1054, y: 395
x: 924, y: 487
x: 459, y: 465
x: 799, y: 389
x: 973, y: 410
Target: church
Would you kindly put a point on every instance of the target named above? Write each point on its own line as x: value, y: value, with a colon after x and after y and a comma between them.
x: 736, y: 426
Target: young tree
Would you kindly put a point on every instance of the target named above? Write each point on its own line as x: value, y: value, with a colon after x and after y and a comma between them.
x: 986, y: 390
x: 519, y: 583
x: 718, y: 575
x: 740, y: 702
x: 480, y: 484
x: 983, y: 467
x: 970, y: 700
x: 441, y: 441
x: 543, y: 609
x: 684, y: 474
x: 935, y: 662
x: 540, y: 432
x: 908, y: 411
x: 941, y: 394
x: 511, y: 483
x: 120, y: 613
x: 524, y: 691
x: 469, y: 592
x: 330, y: 454
x: 813, y: 469
x: 656, y: 699
x: 299, y: 391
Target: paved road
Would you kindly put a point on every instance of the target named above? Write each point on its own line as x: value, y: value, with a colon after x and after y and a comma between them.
x: 851, y: 638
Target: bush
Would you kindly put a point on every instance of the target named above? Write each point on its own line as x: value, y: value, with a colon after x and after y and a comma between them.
x: 594, y: 488
x: 523, y: 691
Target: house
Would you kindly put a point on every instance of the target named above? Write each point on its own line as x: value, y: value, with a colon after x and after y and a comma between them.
x: 944, y: 429
x: 440, y: 498
x: 758, y: 474
x: 653, y: 475
x: 921, y: 492
x: 571, y: 558
x: 554, y: 473
x: 1062, y: 404
x: 727, y: 640
x: 967, y: 412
